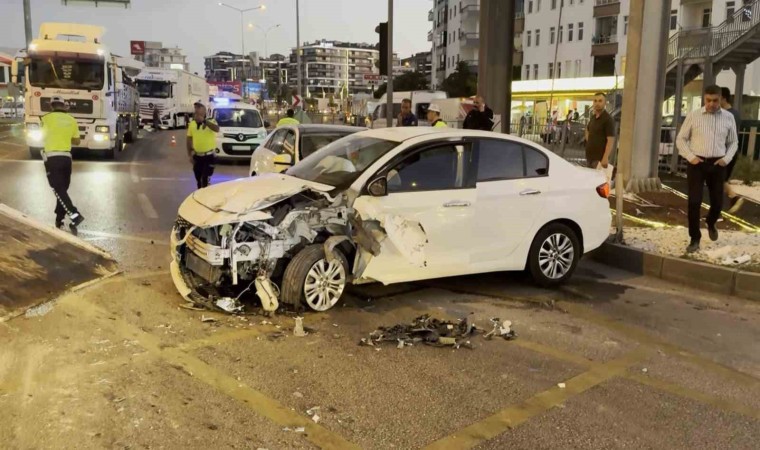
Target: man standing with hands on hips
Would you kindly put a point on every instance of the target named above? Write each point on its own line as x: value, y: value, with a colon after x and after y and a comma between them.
x: 708, y: 141
x: 201, y: 143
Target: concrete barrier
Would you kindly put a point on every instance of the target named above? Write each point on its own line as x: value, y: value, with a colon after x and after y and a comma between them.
x: 695, y: 274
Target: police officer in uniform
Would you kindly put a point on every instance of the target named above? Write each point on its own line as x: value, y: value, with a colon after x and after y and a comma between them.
x: 201, y: 143
x: 434, y: 116
x: 60, y: 131
x: 289, y: 120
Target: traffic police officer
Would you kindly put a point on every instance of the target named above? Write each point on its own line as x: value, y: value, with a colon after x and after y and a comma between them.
x: 60, y: 131
x: 434, y: 116
x: 289, y: 120
x: 201, y: 143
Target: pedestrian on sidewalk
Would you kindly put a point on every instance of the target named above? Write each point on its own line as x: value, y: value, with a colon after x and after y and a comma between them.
x: 725, y: 102
x: 708, y: 141
x: 480, y: 117
x: 600, y: 134
x: 201, y: 143
x: 60, y: 131
x: 406, y: 117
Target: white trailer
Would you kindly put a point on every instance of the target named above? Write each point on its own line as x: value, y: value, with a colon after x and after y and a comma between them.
x: 69, y: 60
x: 173, y: 92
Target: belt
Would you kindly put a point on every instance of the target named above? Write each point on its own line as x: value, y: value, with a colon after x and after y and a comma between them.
x: 712, y: 160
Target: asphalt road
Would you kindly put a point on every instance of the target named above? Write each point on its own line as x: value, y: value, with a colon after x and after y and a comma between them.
x: 609, y: 361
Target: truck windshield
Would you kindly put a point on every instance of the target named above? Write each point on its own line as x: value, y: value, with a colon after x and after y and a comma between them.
x: 244, y: 118
x: 154, y: 89
x: 67, y: 73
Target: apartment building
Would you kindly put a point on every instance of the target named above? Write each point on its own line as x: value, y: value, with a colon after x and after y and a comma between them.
x: 419, y: 62
x: 156, y: 55
x: 333, y: 67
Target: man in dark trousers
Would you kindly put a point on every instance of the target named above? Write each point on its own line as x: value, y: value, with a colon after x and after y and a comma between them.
x: 480, y: 117
x: 60, y: 131
x: 201, y: 143
x: 600, y: 134
x: 156, y: 119
x: 406, y: 117
x: 708, y: 141
x: 725, y: 103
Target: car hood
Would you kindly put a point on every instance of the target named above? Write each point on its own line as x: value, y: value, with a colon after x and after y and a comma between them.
x: 254, y: 193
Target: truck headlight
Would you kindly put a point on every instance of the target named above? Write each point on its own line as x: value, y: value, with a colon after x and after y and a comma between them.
x: 35, y: 134
x: 102, y: 129
x: 99, y: 137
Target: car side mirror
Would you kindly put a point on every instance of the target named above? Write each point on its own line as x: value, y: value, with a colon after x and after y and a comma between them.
x: 284, y: 159
x: 267, y: 124
x: 378, y: 187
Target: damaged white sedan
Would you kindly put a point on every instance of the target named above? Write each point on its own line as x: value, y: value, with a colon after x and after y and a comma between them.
x: 390, y: 205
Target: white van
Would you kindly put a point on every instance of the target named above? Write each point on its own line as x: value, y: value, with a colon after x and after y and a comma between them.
x: 241, y: 130
x: 420, y: 102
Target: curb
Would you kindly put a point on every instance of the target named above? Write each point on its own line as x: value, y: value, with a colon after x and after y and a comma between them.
x: 699, y: 275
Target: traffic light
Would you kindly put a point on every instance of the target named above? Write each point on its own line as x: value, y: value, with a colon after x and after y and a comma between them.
x: 382, y: 29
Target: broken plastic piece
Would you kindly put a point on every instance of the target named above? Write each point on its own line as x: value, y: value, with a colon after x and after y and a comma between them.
x: 561, y: 385
x: 315, y: 418
x: 265, y: 289
x: 298, y: 329
x: 207, y: 319
x: 229, y: 304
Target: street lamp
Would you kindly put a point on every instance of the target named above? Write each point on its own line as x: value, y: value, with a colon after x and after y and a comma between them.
x: 242, y: 27
x: 266, y: 33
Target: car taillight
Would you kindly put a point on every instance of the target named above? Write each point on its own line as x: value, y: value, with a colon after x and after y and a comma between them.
x: 603, y: 190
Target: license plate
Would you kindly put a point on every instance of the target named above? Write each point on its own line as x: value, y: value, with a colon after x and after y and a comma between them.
x: 241, y: 147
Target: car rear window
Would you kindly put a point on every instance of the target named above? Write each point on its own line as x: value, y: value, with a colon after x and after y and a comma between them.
x: 310, y: 143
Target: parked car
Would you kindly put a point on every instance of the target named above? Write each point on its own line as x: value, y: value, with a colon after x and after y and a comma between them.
x: 241, y: 130
x: 288, y: 144
x: 391, y: 205
x: 9, y: 109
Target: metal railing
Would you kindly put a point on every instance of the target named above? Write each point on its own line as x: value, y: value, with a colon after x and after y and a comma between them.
x: 606, y: 39
x: 706, y: 42
x: 605, y: 2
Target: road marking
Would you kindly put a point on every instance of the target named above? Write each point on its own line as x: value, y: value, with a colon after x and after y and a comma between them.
x: 165, y: 179
x: 516, y: 415
x: 220, y: 339
x: 147, y: 206
x: 124, y: 237
x: 212, y: 376
x: 12, y: 143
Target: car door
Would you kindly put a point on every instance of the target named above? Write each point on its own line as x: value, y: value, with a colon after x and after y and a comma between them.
x: 511, y: 190
x: 426, y: 215
x: 264, y: 157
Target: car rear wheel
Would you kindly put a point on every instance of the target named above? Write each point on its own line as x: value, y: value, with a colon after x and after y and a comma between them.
x: 314, y: 281
x: 554, y: 255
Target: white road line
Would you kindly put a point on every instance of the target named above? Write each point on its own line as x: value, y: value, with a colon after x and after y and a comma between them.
x: 11, y: 143
x: 165, y: 179
x: 147, y: 206
x: 123, y: 237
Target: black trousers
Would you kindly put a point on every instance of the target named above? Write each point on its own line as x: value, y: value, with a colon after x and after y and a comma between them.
x: 697, y: 176
x: 203, y: 168
x: 58, y: 170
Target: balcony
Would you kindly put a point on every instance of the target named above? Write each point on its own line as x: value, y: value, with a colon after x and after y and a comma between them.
x: 430, y: 36
x: 470, y: 11
x: 604, y: 45
x: 519, y: 23
x: 604, y: 8
x: 469, y: 39
x: 431, y: 16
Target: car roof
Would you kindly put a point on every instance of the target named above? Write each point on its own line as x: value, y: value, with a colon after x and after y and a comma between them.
x: 308, y: 128
x: 235, y: 105
x: 400, y: 134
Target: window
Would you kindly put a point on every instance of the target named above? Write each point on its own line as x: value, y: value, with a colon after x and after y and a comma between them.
x: 559, y: 70
x: 673, y: 19
x: 560, y: 34
x: 500, y: 160
x: 706, y: 13
x: 2, y: 74
x: 554, y: 4
x: 535, y: 71
x: 527, y: 39
x: 625, y: 25
x: 746, y: 10
x: 530, y: 6
x: 577, y: 68
x: 527, y: 72
x: 432, y: 169
x: 580, y: 31
x: 538, y: 6
x: 552, y: 31
x: 507, y: 160
x: 569, y: 68
x: 730, y: 11
x: 538, y: 38
x: 551, y: 70
x: 569, y: 32
x: 275, y: 143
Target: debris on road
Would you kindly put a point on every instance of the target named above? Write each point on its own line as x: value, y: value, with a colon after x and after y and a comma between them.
x: 501, y: 329
x: 39, y: 311
x: 229, y: 304
x: 298, y: 329
x: 561, y: 385
x: 207, y: 319
x: 424, y: 329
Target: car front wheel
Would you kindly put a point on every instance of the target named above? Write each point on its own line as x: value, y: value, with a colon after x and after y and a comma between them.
x: 554, y: 255
x: 313, y: 280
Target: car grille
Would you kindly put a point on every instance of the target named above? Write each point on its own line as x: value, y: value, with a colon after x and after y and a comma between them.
x: 181, y: 223
x: 236, y: 136
x: 228, y: 149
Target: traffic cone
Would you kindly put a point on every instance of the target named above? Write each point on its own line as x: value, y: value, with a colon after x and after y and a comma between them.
x: 174, y: 141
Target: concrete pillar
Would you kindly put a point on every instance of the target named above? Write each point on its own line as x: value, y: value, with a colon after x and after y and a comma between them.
x: 643, y: 94
x: 739, y: 87
x: 497, y: 24
x: 708, y: 76
x: 677, y: 113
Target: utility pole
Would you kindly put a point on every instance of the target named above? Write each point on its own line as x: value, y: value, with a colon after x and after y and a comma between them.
x: 28, y: 22
x: 298, y: 48
x: 497, y: 24
x: 389, y: 90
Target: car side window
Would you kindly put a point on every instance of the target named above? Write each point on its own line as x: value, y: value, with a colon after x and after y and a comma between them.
x: 437, y: 168
x: 500, y: 160
x: 275, y: 144
x: 536, y: 163
x: 289, y: 142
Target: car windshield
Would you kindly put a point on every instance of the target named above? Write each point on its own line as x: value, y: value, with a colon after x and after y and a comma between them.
x: 343, y: 161
x: 310, y: 143
x: 244, y: 118
x: 154, y: 89
x: 67, y: 73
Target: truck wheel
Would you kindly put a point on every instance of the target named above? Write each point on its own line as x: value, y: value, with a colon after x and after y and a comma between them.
x: 312, y: 280
x: 35, y: 153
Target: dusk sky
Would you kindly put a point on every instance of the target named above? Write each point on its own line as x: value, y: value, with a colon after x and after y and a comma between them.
x: 202, y: 27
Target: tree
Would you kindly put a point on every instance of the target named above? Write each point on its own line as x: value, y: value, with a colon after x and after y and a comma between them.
x: 408, y: 81
x: 279, y: 93
x: 462, y: 82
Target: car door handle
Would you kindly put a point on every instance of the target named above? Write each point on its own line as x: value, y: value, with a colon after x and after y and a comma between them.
x: 456, y: 204
x: 530, y: 192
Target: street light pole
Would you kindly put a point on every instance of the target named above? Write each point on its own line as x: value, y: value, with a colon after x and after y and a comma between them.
x: 242, y: 29
x: 389, y: 86
x: 28, y: 22
x: 298, y: 47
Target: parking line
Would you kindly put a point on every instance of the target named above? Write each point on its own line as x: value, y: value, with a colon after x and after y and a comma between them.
x: 516, y: 415
x: 147, y: 206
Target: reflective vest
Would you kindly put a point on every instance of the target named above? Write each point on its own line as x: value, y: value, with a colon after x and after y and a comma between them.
x: 287, y: 121
x: 440, y: 124
x: 58, y: 129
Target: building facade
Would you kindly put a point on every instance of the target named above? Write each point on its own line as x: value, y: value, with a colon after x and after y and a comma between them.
x: 335, y: 68
x: 156, y: 55
x: 227, y: 66
x: 419, y: 62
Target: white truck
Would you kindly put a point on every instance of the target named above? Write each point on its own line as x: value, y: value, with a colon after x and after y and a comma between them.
x: 70, y: 61
x: 173, y: 92
x: 420, y: 102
